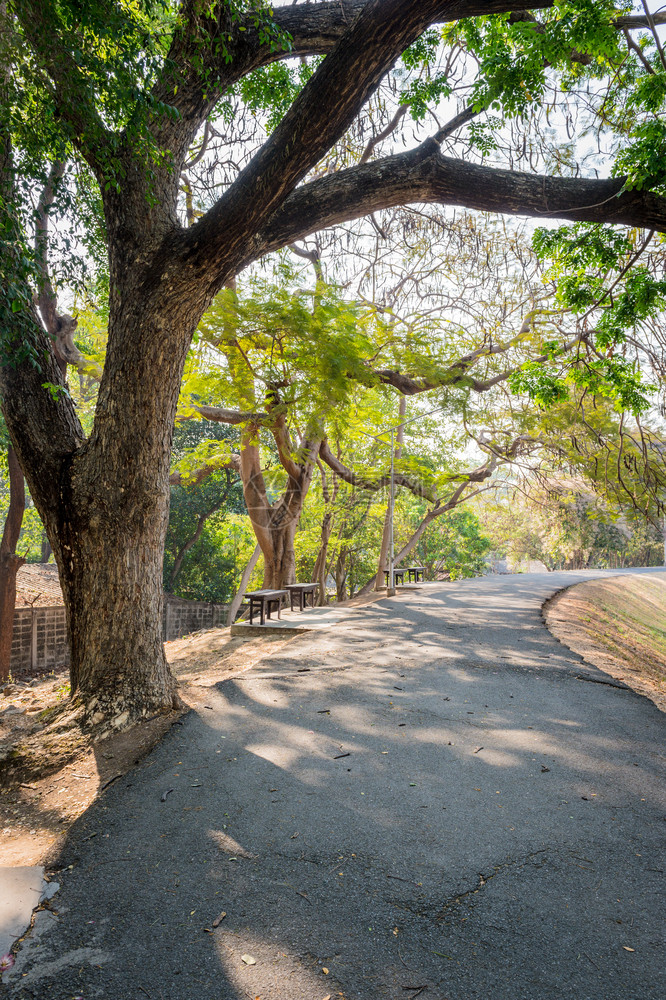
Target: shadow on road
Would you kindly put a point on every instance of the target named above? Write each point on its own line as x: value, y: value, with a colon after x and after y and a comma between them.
x: 428, y: 796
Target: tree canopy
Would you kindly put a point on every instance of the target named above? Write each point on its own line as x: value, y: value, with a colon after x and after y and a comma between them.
x: 186, y: 141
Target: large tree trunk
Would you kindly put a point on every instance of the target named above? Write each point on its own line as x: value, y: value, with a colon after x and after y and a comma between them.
x: 275, y: 524
x: 46, y: 548
x: 105, y: 505
x: 114, y: 601
x: 10, y: 563
x: 279, y: 555
x: 319, y: 572
x: 116, y: 517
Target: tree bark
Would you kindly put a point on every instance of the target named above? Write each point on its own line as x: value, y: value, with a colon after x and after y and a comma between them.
x: 105, y: 506
x: 10, y: 563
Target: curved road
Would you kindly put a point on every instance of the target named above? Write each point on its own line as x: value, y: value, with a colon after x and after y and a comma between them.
x: 433, y: 799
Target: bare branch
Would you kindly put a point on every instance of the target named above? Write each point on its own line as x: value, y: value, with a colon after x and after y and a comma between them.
x: 60, y: 326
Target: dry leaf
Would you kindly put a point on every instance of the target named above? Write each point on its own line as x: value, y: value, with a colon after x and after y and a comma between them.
x: 324, y: 970
x: 248, y: 959
x: 628, y: 949
x: 328, y: 996
x: 218, y: 920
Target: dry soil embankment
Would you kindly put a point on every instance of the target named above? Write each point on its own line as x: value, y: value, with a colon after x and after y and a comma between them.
x: 619, y: 625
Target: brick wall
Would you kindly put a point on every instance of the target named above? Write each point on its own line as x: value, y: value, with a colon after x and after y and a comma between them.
x: 39, y: 640
x: 182, y: 617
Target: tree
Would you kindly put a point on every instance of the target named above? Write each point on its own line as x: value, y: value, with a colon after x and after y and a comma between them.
x: 195, y: 499
x: 10, y: 562
x: 123, y: 92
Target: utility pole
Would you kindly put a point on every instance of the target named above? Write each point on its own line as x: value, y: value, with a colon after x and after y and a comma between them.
x: 390, y: 591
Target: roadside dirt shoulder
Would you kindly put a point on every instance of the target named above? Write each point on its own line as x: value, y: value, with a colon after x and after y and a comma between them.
x: 617, y: 624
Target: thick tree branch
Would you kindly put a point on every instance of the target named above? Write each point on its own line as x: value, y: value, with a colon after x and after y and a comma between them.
x: 319, y: 116
x: 41, y: 417
x: 254, y: 486
x: 208, y: 55
x: 285, y: 451
x: 632, y: 21
x: 424, y: 175
x: 219, y: 415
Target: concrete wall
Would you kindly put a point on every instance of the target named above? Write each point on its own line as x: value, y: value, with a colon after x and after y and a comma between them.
x: 39, y: 640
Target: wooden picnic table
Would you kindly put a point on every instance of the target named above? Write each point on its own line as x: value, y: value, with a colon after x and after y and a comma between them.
x: 261, y: 600
x: 399, y: 574
x: 301, y: 591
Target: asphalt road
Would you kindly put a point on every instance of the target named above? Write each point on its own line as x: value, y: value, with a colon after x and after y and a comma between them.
x: 433, y: 799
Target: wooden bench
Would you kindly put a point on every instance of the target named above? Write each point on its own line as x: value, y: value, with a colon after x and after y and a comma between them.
x: 414, y: 572
x: 301, y: 591
x: 261, y: 600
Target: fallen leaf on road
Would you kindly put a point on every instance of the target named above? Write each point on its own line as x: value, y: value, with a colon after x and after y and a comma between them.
x: 248, y: 959
x: 218, y: 920
x: 164, y: 794
x: 324, y: 970
x: 628, y: 949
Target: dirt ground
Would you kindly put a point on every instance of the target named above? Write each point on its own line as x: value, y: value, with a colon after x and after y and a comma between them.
x: 619, y: 626
x: 62, y: 768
